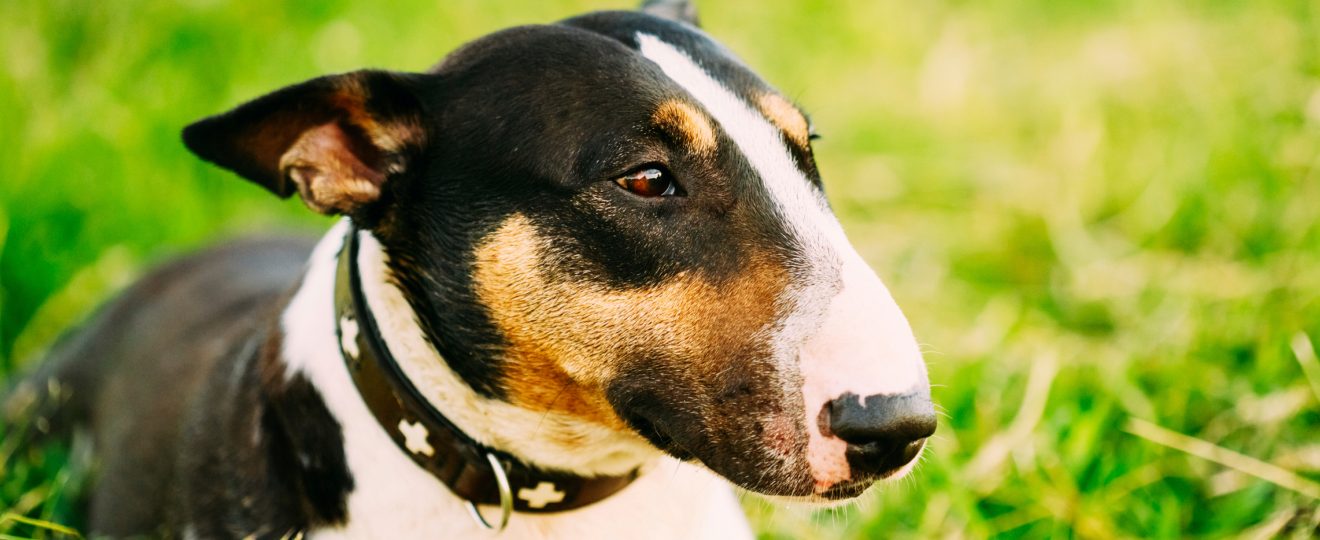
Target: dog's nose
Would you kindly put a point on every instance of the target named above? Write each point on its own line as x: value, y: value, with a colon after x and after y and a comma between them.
x: 883, y: 432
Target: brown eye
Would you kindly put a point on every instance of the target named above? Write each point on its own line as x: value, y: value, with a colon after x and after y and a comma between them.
x: 649, y: 183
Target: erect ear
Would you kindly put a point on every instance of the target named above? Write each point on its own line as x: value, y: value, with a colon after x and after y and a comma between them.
x: 336, y: 140
x: 674, y: 10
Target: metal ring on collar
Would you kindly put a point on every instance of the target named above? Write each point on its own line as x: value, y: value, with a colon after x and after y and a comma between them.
x: 506, y: 498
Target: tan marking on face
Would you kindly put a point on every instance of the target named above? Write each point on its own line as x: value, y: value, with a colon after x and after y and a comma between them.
x: 687, y: 123
x: 786, y: 117
x: 566, y: 338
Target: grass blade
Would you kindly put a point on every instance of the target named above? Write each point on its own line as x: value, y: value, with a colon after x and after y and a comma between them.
x: 1207, y: 450
x: 1305, y: 353
x: 40, y: 524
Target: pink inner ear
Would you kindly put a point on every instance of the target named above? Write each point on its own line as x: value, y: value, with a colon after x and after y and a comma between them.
x: 335, y: 169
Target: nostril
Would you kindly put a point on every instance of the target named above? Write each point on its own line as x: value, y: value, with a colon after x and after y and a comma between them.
x: 883, y: 432
x: 883, y: 457
x: 881, y: 417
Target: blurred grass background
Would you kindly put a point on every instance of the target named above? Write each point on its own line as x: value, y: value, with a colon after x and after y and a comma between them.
x: 1099, y: 215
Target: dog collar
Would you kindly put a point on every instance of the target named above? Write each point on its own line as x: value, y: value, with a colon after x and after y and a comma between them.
x: 475, y: 473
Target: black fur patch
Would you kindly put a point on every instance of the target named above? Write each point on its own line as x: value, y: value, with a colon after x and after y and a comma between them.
x: 261, y: 455
x: 307, y: 449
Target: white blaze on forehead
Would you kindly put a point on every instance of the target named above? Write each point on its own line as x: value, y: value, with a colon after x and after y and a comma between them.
x: 759, y: 140
x: 845, y: 332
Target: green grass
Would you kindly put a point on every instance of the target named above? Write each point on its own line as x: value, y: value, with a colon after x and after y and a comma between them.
x: 1099, y: 216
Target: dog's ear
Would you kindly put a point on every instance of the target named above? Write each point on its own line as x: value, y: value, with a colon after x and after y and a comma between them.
x: 336, y: 140
x: 675, y: 10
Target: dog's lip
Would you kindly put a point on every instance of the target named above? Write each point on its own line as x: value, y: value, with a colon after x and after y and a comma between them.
x: 848, y: 489
x: 835, y: 495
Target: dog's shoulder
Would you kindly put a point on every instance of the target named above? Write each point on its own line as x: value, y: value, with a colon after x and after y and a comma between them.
x: 189, y: 332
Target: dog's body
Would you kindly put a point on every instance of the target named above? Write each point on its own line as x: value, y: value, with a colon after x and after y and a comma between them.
x: 699, y: 302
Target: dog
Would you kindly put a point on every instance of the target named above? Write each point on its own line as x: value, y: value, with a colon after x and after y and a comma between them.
x: 581, y: 271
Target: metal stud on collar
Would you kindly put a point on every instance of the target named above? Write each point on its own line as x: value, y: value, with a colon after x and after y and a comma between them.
x: 506, y: 498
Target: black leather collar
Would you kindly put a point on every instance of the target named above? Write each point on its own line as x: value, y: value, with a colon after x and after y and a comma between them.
x: 425, y: 435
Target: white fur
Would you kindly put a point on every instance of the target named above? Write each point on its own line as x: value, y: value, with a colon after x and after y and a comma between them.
x: 394, y: 498
x: 845, y: 333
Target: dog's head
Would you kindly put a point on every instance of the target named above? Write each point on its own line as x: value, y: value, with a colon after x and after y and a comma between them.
x: 612, y: 219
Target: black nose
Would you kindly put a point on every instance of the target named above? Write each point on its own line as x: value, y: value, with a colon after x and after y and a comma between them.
x: 883, y: 432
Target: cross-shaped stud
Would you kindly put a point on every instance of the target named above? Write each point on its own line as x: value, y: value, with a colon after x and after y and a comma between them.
x: 348, y: 334
x: 545, y: 493
x: 414, y: 438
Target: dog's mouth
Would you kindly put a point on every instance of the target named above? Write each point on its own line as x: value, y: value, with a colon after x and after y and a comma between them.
x: 754, y: 468
x: 751, y: 433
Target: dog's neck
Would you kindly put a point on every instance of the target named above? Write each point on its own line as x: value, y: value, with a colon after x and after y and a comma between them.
x: 473, y: 472
x: 389, y: 496
x: 541, y: 439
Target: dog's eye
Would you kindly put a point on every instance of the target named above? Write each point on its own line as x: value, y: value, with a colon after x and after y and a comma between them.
x: 649, y: 182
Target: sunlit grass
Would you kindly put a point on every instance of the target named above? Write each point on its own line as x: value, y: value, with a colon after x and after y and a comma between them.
x: 1098, y: 215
